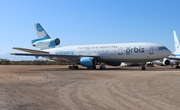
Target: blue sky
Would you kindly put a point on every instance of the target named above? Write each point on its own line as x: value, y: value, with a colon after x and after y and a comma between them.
x: 88, y: 22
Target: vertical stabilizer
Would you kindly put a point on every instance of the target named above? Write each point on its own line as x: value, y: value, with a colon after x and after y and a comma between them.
x: 176, y: 43
x: 41, y: 33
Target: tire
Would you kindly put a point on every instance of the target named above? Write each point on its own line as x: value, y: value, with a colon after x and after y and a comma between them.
x: 143, y: 68
x: 70, y: 67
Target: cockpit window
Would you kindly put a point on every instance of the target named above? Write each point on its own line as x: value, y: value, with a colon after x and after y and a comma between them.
x: 162, y: 48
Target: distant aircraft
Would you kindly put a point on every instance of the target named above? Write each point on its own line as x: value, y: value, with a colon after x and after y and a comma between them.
x: 164, y: 62
x: 172, y: 59
x: 175, y: 58
x: 91, y: 55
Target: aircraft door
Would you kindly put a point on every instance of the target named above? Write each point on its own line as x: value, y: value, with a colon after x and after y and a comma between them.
x: 120, y: 51
x: 151, y: 50
x: 88, y: 51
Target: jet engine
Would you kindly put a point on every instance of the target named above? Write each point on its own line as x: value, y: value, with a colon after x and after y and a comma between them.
x: 87, y: 61
x: 166, y: 61
x: 163, y: 62
x: 47, y: 43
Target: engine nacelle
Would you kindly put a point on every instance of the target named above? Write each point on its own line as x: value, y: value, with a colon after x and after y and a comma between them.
x: 166, y: 61
x: 113, y: 63
x: 87, y: 61
x: 47, y: 43
x: 163, y: 62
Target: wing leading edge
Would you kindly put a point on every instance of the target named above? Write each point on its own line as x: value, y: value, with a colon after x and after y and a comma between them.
x: 29, y: 50
x: 174, y: 57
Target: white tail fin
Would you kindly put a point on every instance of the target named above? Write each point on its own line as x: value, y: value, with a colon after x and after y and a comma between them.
x: 40, y: 31
x: 176, y: 43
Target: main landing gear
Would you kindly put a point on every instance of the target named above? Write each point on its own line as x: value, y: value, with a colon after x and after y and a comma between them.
x: 143, y: 66
x: 102, y: 67
x: 74, y: 67
x: 178, y: 64
x: 91, y: 68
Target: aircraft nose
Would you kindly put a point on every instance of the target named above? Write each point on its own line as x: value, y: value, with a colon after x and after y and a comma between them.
x: 34, y: 45
x: 166, y: 52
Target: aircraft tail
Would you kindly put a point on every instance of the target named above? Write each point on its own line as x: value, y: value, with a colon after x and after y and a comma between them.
x: 41, y: 33
x: 44, y: 41
x: 176, y: 43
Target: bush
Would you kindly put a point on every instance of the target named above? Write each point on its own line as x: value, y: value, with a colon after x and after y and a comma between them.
x: 4, y: 62
x: 31, y: 62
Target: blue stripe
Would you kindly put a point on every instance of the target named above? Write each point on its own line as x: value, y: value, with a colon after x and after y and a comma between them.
x: 39, y: 27
x: 52, y: 43
x: 44, y: 38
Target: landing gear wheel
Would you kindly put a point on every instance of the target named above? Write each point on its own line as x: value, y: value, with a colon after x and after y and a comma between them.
x: 143, y: 68
x: 177, y: 66
x: 93, y: 67
x: 73, y: 67
x: 102, y: 67
x: 70, y: 67
x: 76, y: 67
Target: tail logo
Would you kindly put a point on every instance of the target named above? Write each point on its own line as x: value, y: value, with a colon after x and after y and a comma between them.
x: 39, y: 28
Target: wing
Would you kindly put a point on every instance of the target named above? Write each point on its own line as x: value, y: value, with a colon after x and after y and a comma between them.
x: 29, y: 50
x: 38, y: 53
x: 45, y: 55
x: 55, y: 56
x: 174, y: 57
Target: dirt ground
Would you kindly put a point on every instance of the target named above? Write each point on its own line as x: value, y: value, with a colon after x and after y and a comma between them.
x: 120, y: 88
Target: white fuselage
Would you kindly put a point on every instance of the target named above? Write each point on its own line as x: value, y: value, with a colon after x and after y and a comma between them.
x: 122, y: 52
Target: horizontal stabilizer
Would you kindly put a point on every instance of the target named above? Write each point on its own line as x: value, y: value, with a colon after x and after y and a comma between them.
x: 30, y: 50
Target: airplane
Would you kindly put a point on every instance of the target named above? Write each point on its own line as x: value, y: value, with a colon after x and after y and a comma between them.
x: 172, y: 59
x: 91, y: 55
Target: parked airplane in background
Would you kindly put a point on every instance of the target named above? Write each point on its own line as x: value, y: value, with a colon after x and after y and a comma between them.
x: 90, y: 55
x: 171, y: 60
x: 175, y: 58
x: 164, y: 62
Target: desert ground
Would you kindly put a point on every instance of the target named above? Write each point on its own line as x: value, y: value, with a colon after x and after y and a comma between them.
x: 57, y: 88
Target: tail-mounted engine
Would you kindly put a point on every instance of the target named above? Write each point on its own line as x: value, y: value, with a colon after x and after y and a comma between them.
x: 45, y: 43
